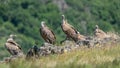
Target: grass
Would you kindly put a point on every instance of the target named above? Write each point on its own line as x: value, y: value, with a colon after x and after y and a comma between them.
x: 97, y: 57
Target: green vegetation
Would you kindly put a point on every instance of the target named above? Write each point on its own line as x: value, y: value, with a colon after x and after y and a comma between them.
x: 23, y: 17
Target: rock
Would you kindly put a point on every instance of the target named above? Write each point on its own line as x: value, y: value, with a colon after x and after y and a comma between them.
x: 33, y: 52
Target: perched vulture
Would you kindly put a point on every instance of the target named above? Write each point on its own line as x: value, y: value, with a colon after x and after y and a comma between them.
x: 99, y: 33
x: 69, y: 30
x: 13, y: 48
x: 47, y: 34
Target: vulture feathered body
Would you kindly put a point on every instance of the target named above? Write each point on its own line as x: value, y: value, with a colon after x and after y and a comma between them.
x: 47, y: 34
x: 70, y: 31
x: 13, y: 47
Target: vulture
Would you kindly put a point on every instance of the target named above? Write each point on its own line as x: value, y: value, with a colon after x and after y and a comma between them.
x: 13, y: 47
x: 70, y: 31
x: 99, y: 33
x: 47, y: 34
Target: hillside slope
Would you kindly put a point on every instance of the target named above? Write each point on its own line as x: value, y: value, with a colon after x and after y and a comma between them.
x: 98, y: 57
x: 23, y: 18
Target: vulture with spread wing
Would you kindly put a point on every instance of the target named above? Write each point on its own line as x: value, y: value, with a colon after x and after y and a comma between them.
x: 70, y: 31
x: 13, y: 47
x: 47, y: 34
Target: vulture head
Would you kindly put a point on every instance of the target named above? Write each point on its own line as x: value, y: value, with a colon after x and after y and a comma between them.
x: 43, y: 24
x: 63, y: 17
x: 78, y: 32
x: 11, y: 37
x: 96, y: 27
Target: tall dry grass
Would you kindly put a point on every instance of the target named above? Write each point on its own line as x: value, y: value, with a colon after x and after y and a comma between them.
x: 96, y: 57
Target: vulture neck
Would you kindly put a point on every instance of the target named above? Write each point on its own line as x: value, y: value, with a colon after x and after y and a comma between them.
x: 64, y: 21
x: 97, y: 27
x: 42, y: 25
x: 10, y: 39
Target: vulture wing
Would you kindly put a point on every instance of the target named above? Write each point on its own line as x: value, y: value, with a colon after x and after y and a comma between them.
x: 48, y: 35
x: 13, y: 47
x: 71, y: 27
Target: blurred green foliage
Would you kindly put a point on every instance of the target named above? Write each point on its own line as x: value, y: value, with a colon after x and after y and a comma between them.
x: 23, y: 17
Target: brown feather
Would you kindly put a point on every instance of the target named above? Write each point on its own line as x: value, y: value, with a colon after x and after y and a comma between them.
x: 69, y: 30
x: 13, y: 48
x: 48, y: 35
